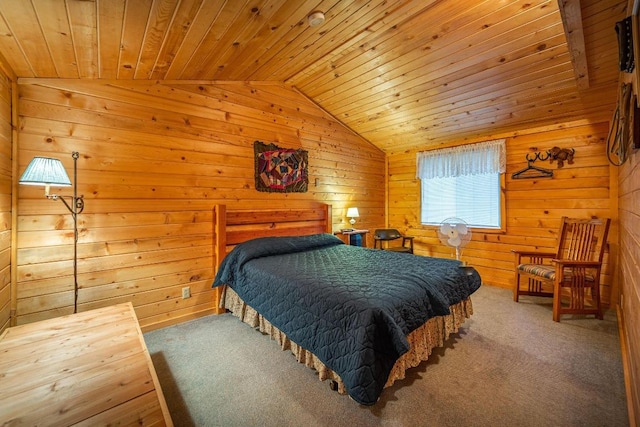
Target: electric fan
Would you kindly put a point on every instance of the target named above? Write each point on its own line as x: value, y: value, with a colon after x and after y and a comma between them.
x: 455, y: 233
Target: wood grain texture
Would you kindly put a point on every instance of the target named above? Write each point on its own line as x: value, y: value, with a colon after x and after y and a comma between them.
x: 79, y: 370
x: 402, y: 74
x: 6, y: 191
x: 533, y: 206
x: 186, y: 87
x: 238, y: 226
x: 155, y: 157
x: 629, y: 194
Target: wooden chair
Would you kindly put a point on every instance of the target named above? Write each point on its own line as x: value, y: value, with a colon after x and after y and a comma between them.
x: 573, y: 269
x: 390, y: 234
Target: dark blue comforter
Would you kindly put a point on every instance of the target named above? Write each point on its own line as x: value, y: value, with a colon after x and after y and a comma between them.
x: 351, y: 307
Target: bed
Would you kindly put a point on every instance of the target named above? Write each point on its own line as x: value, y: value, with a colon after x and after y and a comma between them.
x: 361, y: 317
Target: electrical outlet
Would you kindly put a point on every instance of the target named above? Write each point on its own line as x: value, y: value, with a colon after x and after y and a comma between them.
x: 186, y: 292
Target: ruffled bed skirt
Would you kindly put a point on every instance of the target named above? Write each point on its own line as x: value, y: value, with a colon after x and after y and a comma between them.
x: 422, y: 341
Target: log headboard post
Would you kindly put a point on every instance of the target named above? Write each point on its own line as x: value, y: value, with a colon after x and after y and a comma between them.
x: 328, y: 219
x: 219, y: 249
x: 219, y: 234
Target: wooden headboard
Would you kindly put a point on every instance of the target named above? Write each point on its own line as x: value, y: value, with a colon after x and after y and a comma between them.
x: 236, y: 226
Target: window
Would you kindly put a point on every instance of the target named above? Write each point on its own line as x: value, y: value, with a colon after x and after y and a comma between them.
x: 462, y: 182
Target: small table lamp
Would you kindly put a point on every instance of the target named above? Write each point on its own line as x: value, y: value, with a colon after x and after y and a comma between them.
x: 353, y: 214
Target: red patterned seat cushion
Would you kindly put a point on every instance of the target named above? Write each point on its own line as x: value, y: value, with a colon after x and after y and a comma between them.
x: 548, y: 271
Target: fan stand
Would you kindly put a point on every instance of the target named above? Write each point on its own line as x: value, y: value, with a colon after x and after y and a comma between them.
x: 463, y: 264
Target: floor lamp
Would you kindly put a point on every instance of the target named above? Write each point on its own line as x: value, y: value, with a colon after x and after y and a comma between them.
x: 47, y: 172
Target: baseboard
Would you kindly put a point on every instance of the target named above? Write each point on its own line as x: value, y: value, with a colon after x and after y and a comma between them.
x: 175, y: 320
x: 626, y: 368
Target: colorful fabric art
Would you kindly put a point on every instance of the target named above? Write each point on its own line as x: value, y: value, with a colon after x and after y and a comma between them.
x: 280, y: 170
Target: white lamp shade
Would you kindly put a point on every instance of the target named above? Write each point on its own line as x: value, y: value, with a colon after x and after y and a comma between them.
x: 45, y: 171
x: 353, y: 213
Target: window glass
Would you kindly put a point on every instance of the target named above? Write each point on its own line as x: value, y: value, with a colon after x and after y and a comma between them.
x: 472, y: 198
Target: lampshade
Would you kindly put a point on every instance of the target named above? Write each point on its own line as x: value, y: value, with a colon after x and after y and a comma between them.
x: 45, y: 171
x: 353, y: 213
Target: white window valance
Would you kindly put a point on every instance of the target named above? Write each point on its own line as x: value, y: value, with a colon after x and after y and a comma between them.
x: 471, y: 159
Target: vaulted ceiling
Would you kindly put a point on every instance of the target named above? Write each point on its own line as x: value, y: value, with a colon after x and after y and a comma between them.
x: 403, y: 74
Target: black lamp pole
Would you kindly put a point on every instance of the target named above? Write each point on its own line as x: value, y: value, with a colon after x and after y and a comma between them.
x: 75, y: 207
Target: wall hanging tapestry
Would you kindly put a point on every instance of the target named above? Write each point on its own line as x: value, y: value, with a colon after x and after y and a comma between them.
x: 280, y: 170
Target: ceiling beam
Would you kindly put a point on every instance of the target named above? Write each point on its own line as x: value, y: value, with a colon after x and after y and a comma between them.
x: 572, y: 23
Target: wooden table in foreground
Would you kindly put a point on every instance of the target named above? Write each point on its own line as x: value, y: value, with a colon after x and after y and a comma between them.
x: 90, y: 368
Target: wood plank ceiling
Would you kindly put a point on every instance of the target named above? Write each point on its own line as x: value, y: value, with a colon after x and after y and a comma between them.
x: 403, y: 74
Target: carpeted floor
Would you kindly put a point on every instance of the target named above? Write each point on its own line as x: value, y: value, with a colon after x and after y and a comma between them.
x: 510, y: 365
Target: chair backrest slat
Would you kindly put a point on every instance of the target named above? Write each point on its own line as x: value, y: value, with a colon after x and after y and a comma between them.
x: 387, y: 234
x: 582, y: 239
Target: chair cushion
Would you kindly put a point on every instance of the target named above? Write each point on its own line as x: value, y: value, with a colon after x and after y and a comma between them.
x: 548, y: 271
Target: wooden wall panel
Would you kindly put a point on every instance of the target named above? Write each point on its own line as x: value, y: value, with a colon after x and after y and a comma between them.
x: 533, y: 206
x: 629, y: 191
x: 5, y: 200
x: 154, y: 160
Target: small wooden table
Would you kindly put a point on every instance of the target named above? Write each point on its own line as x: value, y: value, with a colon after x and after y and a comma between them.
x: 91, y: 368
x: 346, y: 236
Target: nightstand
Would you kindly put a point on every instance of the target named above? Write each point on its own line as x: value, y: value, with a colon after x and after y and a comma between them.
x: 354, y: 237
